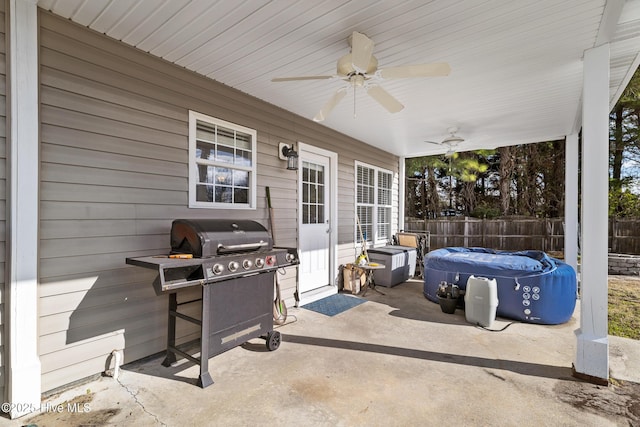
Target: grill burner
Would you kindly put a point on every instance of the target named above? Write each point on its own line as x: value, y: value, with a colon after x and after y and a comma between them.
x: 234, y: 263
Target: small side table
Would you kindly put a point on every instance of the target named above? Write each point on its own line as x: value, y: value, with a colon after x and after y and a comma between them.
x: 370, y: 283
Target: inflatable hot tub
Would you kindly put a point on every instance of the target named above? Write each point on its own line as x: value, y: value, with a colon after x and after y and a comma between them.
x: 532, y: 287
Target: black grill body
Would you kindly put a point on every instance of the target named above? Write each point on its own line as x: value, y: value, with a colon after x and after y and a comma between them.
x: 234, y: 263
x: 210, y: 237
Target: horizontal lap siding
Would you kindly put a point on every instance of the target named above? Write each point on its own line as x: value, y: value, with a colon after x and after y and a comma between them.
x: 3, y: 186
x: 114, y: 174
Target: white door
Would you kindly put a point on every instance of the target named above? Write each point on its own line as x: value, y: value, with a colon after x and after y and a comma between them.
x: 315, y: 223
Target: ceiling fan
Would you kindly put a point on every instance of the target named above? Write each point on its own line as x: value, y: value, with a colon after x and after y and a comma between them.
x: 359, y: 68
x: 452, y: 141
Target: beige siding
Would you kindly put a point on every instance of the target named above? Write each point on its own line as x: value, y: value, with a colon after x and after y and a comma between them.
x: 114, y: 174
x: 3, y: 187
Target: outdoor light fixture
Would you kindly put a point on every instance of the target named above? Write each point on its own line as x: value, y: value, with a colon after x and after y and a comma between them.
x: 289, y: 154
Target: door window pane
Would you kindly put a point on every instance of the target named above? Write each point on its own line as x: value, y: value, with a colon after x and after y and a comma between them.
x: 313, y: 194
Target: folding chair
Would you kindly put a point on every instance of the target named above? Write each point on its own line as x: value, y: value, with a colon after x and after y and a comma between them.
x: 420, y: 241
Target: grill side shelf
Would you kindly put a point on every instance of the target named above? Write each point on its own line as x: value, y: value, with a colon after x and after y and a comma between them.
x: 173, y: 273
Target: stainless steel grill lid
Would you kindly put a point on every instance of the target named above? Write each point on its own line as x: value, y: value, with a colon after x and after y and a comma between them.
x: 205, y: 238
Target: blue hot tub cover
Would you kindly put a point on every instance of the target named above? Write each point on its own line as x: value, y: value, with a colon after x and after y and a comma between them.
x: 532, y: 286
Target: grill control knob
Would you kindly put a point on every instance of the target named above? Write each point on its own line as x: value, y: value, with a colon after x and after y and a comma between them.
x: 218, y: 269
x: 259, y: 262
x: 233, y: 266
x: 246, y: 264
x: 290, y: 257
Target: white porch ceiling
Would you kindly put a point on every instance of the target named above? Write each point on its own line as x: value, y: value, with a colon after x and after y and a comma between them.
x: 516, y: 65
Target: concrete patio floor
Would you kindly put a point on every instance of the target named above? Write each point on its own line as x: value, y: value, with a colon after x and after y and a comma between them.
x: 395, y: 360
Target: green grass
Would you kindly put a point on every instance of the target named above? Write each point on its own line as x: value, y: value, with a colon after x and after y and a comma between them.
x: 624, y: 307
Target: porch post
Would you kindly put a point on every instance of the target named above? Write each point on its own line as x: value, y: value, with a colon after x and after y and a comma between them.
x: 401, y: 192
x: 571, y: 201
x: 592, y: 355
x: 23, y: 368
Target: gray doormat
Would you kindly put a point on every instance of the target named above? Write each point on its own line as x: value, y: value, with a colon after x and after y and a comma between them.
x: 334, y: 304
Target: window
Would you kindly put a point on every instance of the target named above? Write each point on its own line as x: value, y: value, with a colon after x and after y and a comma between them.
x: 373, y: 203
x: 313, y: 203
x: 222, y: 164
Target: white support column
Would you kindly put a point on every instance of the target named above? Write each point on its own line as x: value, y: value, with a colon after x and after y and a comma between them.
x: 401, y: 192
x: 23, y: 367
x: 571, y: 201
x: 592, y: 355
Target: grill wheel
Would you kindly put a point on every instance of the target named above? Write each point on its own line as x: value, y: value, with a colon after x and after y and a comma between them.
x: 273, y: 340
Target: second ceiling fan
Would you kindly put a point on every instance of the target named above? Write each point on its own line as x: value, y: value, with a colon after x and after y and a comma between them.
x: 359, y: 68
x: 452, y: 141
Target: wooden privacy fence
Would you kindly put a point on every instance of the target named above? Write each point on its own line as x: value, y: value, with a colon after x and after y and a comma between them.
x: 546, y: 234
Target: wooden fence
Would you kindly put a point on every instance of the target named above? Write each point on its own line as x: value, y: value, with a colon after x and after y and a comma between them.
x: 546, y: 234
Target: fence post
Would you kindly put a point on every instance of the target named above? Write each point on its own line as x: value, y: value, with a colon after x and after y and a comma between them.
x: 545, y: 243
x: 614, y: 235
x: 466, y: 232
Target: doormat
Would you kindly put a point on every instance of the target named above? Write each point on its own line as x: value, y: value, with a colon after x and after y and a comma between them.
x: 334, y: 304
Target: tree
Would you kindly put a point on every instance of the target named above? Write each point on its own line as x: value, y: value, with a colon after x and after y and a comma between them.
x: 624, y: 123
x: 506, y: 172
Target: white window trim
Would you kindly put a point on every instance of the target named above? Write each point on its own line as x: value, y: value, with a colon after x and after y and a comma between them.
x: 375, y: 241
x: 193, y: 168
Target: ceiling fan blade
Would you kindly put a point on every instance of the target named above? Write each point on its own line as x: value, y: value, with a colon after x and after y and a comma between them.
x: 330, y: 105
x: 419, y: 70
x: 385, y: 99
x: 292, y: 79
x: 433, y: 142
x: 361, y: 51
x: 453, y: 140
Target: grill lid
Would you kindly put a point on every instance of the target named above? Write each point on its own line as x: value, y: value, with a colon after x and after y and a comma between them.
x: 211, y: 237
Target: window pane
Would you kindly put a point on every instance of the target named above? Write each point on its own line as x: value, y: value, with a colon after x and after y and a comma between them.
x: 223, y: 194
x: 241, y: 178
x: 313, y: 214
x: 383, y: 231
x: 384, y: 197
x: 205, y: 174
x: 223, y: 176
x: 305, y: 214
x: 243, y: 140
x: 204, y: 150
x: 365, y: 215
x: 225, y: 154
x: 226, y: 137
x: 204, y: 193
x: 384, y: 222
x: 243, y: 158
x: 241, y: 195
x: 320, y: 214
x: 313, y: 193
x: 205, y: 131
x: 384, y: 180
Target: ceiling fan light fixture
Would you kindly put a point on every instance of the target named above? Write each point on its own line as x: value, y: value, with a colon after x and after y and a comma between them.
x: 345, y: 66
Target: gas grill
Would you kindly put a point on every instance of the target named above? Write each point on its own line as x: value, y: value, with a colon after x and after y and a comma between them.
x: 234, y: 263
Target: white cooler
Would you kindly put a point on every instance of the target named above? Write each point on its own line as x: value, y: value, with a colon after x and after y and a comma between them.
x: 399, y: 262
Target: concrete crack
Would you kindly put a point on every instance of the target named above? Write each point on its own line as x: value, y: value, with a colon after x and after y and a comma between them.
x: 140, y: 404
